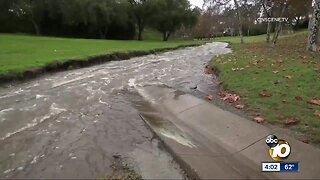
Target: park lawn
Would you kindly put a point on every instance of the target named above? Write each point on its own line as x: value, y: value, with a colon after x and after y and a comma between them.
x: 253, y: 39
x: 288, y: 73
x: 21, y: 52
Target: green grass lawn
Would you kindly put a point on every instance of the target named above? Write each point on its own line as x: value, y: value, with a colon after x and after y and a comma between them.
x: 21, y: 52
x: 288, y: 73
x: 254, y: 39
x: 150, y: 34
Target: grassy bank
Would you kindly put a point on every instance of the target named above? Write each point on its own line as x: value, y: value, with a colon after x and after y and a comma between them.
x: 19, y: 52
x: 276, y: 82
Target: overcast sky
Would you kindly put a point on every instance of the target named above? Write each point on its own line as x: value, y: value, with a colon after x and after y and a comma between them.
x: 197, y: 3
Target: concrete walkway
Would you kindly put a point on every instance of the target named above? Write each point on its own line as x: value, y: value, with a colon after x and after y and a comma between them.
x: 211, y: 143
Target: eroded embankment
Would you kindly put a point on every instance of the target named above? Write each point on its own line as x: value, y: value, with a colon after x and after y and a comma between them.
x: 78, y: 63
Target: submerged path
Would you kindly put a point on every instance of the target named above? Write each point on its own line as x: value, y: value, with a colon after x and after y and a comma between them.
x: 77, y: 124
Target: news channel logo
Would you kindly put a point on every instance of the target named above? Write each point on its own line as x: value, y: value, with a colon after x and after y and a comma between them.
x: 279, y: 149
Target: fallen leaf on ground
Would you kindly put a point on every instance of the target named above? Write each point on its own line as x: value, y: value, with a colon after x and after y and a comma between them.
x: 275, y: 72
x: 290, y: 121
x: 277, y: 82
x: 231, y: 98
x: 289, y: 77
x: 280, y: 61
x: 314, y: 102
x: 240, y: 106
x: 317, y: 113
x: 303, y: 57
x: 254, y: 63
x: 237, y: 69
x: 210, y: 97
x: 259, y: 119
x: 265, y: 93
x: 284, y: 101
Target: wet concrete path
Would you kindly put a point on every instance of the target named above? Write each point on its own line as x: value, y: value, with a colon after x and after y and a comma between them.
x: 74, y: 124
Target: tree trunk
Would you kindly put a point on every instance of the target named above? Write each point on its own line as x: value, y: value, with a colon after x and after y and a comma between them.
x: 36, y: 28
x: 140, y: 30
x: 314, y: 26
x: 102, y: 34
x: 34, y: 22
x: 241, y: 34
x: 276, y: 34
x: 140, y: 35
x: 269, y: 13
x: 268, y: 32
x: 164, y: 36
x: 168, y: 35
x: 279, y: 26
x: 239, y: 21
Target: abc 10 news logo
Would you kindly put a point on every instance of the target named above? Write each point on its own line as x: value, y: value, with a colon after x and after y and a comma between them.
x: 279, y: 149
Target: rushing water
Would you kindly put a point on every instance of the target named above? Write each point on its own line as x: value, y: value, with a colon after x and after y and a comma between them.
x: 70, y: 124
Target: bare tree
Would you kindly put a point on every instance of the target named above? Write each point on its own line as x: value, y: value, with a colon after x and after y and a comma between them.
x: 279, y: 24
x: 267, y: 6
x: 314, y: 26
x: 239, y: 20
x: 237, y: 8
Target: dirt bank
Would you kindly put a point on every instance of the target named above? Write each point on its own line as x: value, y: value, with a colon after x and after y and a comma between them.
x: 78, y: 63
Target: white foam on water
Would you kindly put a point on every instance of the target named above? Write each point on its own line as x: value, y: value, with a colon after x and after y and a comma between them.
x: 28, y: 108
x: 145, y: 95
x: 6, y: 96
x: 3, y: 112
x: 34, y: 160
x: 18, y: 91
x: 107, y: 82
x: 71, y: 81
x: 38, y: 96
x: 132, y: 82
x: 6, y: 110
x: 102, y: 102
x: 177, y: 137
x: 8, y: 171
x: 54, y: 110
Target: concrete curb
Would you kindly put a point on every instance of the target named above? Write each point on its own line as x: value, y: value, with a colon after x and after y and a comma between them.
x: 210, y: 143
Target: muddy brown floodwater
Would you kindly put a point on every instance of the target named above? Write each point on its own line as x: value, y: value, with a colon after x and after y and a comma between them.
x: 76, y: 124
